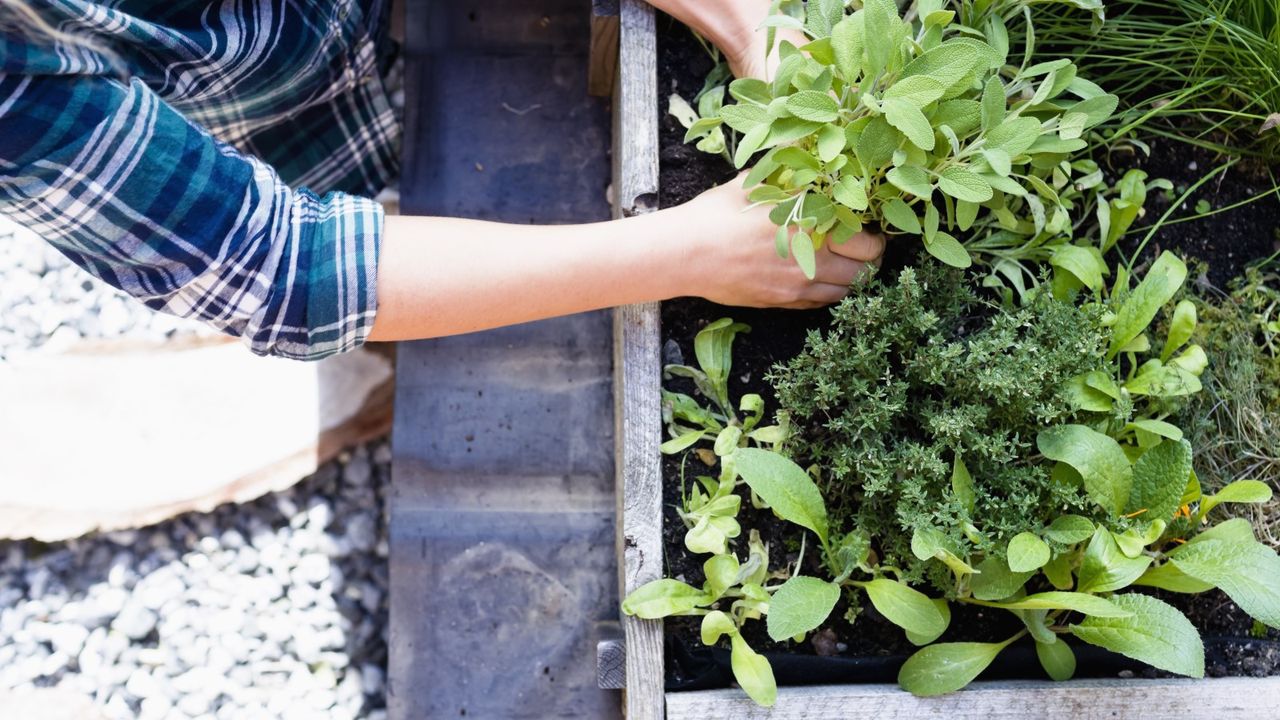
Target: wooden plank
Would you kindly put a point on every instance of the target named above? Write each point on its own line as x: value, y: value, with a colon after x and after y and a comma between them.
x: 1086, y: 699
x: 637, y: 364
x: 611, y: 664
x: 603, y: 70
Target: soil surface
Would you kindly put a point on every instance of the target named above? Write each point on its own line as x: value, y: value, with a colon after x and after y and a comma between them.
x: 871, y: 649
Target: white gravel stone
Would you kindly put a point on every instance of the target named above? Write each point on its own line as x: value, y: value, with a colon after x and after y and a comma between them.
x: 243, y: 613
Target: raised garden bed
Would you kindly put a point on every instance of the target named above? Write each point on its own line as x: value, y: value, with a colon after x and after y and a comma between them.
x: 657, y: 59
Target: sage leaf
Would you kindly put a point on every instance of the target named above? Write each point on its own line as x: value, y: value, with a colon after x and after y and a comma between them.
x: 1057, y: 659
x: 912, y: 179
x: 1027, y: 552
x: 901, y: 216
x: 1155, y: 633
x: 849, y: 191
x: 946, y: 667
x: 785, y: 486
x: 664, y: 597
x: 949, y: 250
x: 963, y: 184
x: 814, y: 106
x: 918, y: 90
x: 1081, y: 262
x: 908, y: 118
x: 1098, y: 458
x: 799, y: 605
x: 847, y: 44
x: 803, y: 251
x: 905, y: 607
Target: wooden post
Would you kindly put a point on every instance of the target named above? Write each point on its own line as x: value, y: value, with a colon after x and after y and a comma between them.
x: 604, y: 48
x: 637, y: 363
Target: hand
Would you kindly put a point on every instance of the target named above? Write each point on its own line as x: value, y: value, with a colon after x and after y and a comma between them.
x: 733, y: 260
x: 734, y: 27
x: 744, y: 44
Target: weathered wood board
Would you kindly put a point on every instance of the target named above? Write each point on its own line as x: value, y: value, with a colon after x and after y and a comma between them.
x: 636, y: 362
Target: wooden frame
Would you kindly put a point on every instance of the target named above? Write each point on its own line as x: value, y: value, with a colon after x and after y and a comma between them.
x: 638, y: 414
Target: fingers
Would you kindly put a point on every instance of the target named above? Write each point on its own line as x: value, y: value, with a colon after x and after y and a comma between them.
x: 862, y: 246
x: 836, y: 269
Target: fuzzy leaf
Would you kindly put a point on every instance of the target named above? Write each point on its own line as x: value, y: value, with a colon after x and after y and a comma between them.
x: 963, y: 184
x: 1069, y: 529
x: 849, y: 191
x: 1248, y: 572
x: 1027, y: 552
x: 949, y: 250
x: 799, y: 605
x: 847, y: 44
x: 907, y: 118
x: 1156, y: 634
x: 1079, y: 602
x: 1159, y: 477
x: 813, y: 105
x: 901, y: 216
x: 1098, y: 458
x: 912, y: 179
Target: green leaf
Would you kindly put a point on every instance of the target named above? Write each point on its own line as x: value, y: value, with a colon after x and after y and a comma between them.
x: 1058, y: 572
x: 877, y: 143
x: 749, y: 144
x: 802, y: 249
x: 918, y: 90
x: 908, y: 118
x: 1069, y: 529
x: 995, y: 581
x: 1159, y: 477
x: 1057, y: 659
x: 912, y: 179
x: 813, y: 105
x: 799, y: 605
x: 963, y: 184
x: 962, y: 116
x: 1027, y: 552
x: 713, y: 346
x: 1240, y: 491
x: 905, y: 607
x: 785, y: 486
x: 1098, y: 458
x: 847, y: 44
x: 849, y: 191
x: 900, y: 215
x: 662, y: 598
x: 744, y: 117
x: 830, y: 142
x: 1096, y: 109
x: 750, y: 90
x: 1079, y: 602
x: 1082, y: 263
x: 962, y: 485
x: 1156, y: 634
x: 1248, y: 572
x: 1014, y: 135
x: 1169, y: 577
x: 1105, y: 568
x: 681, y: 442
x: 993, y: 103
x: 753, y: 673
x: 721, y: 572
x: 1159, y: 286
x: 947, y: 64
x: 946, y: 667
x: 946, y: 248
x: 715, y: 625
x: 882, y: 23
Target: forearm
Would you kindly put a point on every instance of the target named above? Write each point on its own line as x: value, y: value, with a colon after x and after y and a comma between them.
x: 727, y: 23
x: 445, y: 276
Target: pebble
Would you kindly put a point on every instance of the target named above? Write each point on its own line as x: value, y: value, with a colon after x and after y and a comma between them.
x: 242, y: 613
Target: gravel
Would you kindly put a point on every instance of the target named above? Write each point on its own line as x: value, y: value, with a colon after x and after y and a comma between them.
x: 271, y: 609
x: 49, y: 304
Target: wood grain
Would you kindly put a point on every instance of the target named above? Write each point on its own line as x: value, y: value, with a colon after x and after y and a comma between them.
x: 603, y: 70
x: 636, y: 362
x: 1113, y: 699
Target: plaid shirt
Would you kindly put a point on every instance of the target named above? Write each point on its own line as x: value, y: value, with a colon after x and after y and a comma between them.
x: 191, y: 180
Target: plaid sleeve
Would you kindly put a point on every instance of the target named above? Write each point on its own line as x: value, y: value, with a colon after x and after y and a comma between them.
x: 135, y: 194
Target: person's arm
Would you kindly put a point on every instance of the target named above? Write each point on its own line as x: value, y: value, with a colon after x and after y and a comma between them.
x: 734, y: 27
x: 441, y: 276
x: 150, y: 203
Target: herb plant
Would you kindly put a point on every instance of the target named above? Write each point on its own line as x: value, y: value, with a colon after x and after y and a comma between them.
x: 926, y: 127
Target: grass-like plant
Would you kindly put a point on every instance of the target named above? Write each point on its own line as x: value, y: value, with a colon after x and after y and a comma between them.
x: 1203, y: 71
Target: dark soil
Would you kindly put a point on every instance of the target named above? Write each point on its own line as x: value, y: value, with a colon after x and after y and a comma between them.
x: 870, y: 649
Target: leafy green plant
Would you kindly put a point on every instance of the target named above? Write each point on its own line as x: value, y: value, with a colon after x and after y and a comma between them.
x: 926, y: 127
x: 924, y: 423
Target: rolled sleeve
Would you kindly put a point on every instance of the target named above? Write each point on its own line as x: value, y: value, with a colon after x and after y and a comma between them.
x: 152, y: 204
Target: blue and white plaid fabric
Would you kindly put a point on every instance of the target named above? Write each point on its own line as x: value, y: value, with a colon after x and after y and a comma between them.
x: 172, y: 182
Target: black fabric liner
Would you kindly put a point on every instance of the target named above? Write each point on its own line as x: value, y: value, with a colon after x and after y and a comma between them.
x: 707, y: 668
